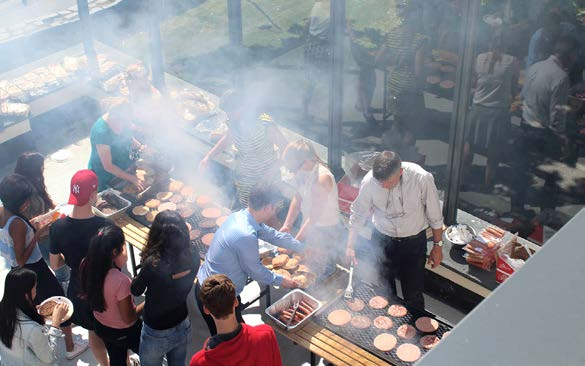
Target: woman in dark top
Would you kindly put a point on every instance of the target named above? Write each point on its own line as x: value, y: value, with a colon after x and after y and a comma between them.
x: 169, y: 266
x: 31, y: 165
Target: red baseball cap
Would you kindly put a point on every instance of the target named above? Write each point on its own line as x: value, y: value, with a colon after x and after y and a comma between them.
x: 83, y: 184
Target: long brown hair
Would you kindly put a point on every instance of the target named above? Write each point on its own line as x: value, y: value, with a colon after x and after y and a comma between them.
x: 297, y: 152
x: 30, y: 165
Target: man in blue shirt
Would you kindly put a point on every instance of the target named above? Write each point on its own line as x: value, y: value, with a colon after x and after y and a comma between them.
x: 234, y: 249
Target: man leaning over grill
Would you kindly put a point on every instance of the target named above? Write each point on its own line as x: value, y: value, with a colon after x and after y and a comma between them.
x: 404, y: 201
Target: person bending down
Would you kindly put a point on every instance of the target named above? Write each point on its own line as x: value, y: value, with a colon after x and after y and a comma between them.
x: 234, y: 343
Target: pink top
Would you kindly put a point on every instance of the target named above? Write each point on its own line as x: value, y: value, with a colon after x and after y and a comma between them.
x: 116, y: 288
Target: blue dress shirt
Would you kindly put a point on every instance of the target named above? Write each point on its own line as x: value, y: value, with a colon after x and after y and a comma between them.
x: 234, y: 251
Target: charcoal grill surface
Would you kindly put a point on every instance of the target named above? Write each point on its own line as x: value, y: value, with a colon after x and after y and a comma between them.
x: 364, y: 338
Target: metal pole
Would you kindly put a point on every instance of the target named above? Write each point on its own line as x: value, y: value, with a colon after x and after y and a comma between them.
x: 156, y: 50
x: 464, y: 73
x: 236, y: 38
x: 87, y: 36
x: 336, y: 90
x: 235, y: 22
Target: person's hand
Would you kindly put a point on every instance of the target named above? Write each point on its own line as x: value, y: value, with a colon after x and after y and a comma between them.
x: 59, y: 313
x: 289, y: 283
x: 436, y: 256
x: 203, y: 164
x: 284, y: 251
x: 285, y: 229
x: 350, y: 256
x: 138, y: 183
x: 41, y: 230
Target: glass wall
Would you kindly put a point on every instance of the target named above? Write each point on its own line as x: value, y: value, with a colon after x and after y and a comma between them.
x: 401, y: 59
x: 523, y: 157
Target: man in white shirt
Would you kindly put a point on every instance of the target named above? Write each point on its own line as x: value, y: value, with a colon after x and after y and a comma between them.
x: 403, y: 199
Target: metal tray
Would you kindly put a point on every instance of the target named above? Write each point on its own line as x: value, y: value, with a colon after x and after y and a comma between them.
x: 286, y: 302
x: 124, y: 203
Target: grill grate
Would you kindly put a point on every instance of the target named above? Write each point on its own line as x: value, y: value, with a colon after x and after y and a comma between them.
x: 364, y: 338
x: 193, y: 220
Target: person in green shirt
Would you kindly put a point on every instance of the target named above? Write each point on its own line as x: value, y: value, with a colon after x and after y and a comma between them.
x: 111, y: 144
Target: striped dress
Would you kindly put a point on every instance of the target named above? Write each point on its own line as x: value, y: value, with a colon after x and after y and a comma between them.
x: 256, y: 158
x: 402, y: 47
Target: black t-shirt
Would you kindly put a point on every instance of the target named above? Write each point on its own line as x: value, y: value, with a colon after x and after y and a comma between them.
x: 166, y: 304
x: 71, y: 237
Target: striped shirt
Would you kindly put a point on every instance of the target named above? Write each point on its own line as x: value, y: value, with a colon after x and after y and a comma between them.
x: 255, y: 154
x: 402, y: 48
x: 234, y: 251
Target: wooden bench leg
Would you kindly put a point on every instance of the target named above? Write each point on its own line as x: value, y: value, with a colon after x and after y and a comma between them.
x: 313, y: 359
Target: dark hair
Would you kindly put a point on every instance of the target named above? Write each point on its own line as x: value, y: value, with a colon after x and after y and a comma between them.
x: 30, y: 165
x: 168, y: 239
x: 19, y: 283
x: 263, y: 195
x: 15, y: 190
x: 218, y: 294
x: 386, y: 164
x: 108, y: 241
x: 565, y: 47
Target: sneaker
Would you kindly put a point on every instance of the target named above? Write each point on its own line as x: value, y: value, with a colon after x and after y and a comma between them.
x: 79, y: 346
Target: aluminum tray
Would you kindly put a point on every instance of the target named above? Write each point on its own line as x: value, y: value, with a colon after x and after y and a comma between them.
x: 286, y: 302
x: 119, y: 197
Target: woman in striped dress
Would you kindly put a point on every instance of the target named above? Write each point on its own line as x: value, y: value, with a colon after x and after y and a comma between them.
x: 254, y: 137
x: 404, y: 52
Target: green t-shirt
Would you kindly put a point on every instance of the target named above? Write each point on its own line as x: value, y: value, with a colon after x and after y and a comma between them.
x: 120, y: 147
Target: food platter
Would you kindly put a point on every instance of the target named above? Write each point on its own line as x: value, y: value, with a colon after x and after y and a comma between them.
x: 460, y: 234
x: 57, y: 299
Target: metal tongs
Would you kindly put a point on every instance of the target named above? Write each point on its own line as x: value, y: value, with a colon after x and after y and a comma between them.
x: 295, y: 308
x: 349, y: 288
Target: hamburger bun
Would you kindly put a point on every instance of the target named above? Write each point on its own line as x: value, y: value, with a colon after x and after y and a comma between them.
x: 176, y: 186
x: 164, y: 196
x: 152, y: 203
x: 280, y: 260
x: 140, y: 210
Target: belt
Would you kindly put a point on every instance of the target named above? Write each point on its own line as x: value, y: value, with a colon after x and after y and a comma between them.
x: 405, y: 238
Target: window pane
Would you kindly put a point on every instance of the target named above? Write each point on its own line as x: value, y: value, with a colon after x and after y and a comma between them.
x: 524, y: 158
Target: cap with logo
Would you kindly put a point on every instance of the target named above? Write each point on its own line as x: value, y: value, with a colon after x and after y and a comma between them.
x: 83, y: 184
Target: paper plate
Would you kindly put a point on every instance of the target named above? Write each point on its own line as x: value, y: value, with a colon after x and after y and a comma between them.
x: 61, y: 156
x: 59, y: 299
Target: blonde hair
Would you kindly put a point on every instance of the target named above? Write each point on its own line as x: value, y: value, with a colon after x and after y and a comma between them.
x: 297, y: 152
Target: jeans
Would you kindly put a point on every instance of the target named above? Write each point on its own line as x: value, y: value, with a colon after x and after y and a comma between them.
x: 172, y: 342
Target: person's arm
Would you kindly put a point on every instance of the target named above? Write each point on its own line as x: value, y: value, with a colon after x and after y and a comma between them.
x: 282, y: 240
x: 430, y: 199
x: 559, y: 98
x: 56, y: 259
x: 320, y: 190
x: 419, y: 61
x: 105, y: 154
x: 293, y: 213
x: 140, y: 282
x: 361, y: 209
x: 48, y: 344
x: 22, y: 250
x: 276, y: 137
x: 250, y: 263
x: 220, y: 146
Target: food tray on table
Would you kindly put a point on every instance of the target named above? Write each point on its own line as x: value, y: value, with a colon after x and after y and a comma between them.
x: 364, y: 338
x: 310, y: 306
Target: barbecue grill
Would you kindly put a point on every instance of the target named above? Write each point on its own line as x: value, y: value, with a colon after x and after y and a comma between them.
x: 365, y: 337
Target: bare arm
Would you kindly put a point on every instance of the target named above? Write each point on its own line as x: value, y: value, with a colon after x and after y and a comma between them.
x: 277, y: 138
x: 322, y: 188
x: 105, y: 154
x: 293, y: 213
x: 220, y: 146
x: 56, y: 261
x: 128, y: 310
x: 22, y: 252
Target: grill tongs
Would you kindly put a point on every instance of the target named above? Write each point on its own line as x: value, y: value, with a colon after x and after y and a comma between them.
x: 349, y: 288
x: 295, y: 308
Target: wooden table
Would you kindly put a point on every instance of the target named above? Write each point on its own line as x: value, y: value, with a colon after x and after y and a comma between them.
x: 324, y: 343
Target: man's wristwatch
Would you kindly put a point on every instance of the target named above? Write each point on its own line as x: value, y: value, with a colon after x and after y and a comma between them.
x: 439, y: 243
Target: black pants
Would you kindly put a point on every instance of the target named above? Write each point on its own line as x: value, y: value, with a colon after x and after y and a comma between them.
x: 208, y: 319
x: 404, y: 258
x: 533, y: 147
x: 47, y: 284
x: 119, y: 341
